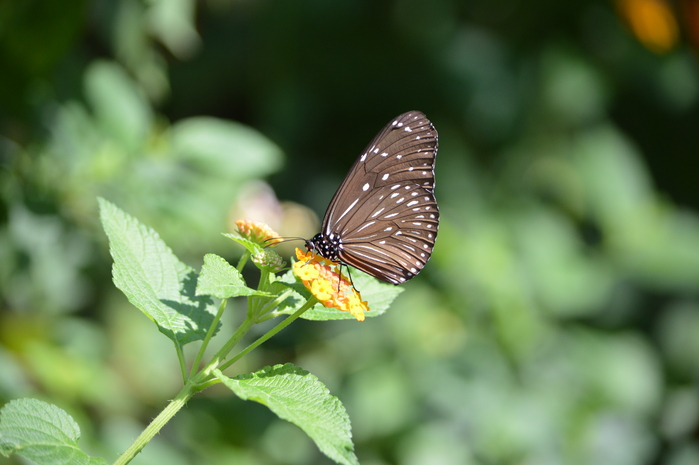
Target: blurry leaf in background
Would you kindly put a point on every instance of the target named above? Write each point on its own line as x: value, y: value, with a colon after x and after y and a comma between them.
x: 233, y: 150
x: 566, y: 279
x: 119, y: 109
x: 181, y: 178
x: 45, y: 264
x: 173, y: 22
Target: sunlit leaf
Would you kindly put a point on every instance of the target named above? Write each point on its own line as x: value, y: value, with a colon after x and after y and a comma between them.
x: 219, y: 279
x: 153, y: 279
x: 297, y: 396
x: 42, y: 433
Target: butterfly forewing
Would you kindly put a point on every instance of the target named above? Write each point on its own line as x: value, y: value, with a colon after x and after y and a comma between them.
x: 403, y: 151
x: 383, y: 219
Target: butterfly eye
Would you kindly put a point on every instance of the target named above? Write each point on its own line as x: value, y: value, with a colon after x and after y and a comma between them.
x: 376, y: 221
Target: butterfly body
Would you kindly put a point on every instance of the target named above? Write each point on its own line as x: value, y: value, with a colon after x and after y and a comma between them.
x: 384, y: 217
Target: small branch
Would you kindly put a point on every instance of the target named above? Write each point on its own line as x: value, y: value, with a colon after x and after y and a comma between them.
x: 310, y: 303
x: 209, y: 335
x: 156, y: 425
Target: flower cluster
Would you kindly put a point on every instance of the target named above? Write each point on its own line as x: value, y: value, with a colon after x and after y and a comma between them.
x: 257, y: 232
x: 328, y: 285
x: 269, y: 260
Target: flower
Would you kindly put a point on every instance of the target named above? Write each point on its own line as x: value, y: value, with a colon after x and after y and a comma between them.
x: 257, y: 232
x: 652, y: 22
x: 328, y: 285
x: 269, y: 260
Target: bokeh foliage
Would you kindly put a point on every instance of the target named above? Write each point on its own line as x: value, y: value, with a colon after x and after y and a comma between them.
x: 558, y: 321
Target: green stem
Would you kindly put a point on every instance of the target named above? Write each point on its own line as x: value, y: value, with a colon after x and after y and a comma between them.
x: 243, y: 261
x: 254, y: 302
x: 156, y: 425
x: 209, y: 335
x: 274, y: 303
x: 183, y: 363
x: 204, y: 374
x: 310, y: 303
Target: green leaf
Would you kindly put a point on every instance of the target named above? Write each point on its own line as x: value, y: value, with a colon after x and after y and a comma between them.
x: 297, y: 396
x: 118, y: 105
x: 378, y: 294
x: 249, y: 245
x: 153, y: 279
x: 43, y: 433
x: 219, y: 279
x: 235, y: 151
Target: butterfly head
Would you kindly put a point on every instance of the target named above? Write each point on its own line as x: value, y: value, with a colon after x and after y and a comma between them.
x: 326, y: 246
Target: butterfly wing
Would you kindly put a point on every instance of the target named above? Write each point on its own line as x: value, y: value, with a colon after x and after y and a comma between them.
x: 385, y: 211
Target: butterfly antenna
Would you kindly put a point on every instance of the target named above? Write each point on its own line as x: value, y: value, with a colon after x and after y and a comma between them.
x: 272, y: 241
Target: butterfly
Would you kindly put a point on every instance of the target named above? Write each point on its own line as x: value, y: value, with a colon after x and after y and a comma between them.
x: 383, y: 219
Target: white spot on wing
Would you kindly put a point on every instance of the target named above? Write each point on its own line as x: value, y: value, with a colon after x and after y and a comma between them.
x: 366, y: 187
x: 347, y: 211
x: 384, y: 177
x: 366, y: 225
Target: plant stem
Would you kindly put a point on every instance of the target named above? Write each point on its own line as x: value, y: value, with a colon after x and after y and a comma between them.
x: 156, y: 425
x: 271, y: 305
x: 255, y: 302
x: 204, y: 374
x: 183, y: 363
x: 242, y: 261
x: 209, y: 335
x: 310, y: 303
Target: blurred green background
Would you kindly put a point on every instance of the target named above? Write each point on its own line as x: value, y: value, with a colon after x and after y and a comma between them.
x: 558, y: 320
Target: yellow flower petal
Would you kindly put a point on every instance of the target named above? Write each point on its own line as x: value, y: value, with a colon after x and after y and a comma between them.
x: 323, y: 279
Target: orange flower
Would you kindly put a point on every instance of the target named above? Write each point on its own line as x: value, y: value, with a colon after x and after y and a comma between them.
x: 328, y: 285
x: 257, y: 232
x: 653, y: 22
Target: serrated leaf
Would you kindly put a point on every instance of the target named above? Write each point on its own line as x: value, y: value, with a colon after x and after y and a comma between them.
x: 378, y: 294
x: 297, y: 396
x: 43, y: 433
x: 219, y: 279
x: 153, y: 279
